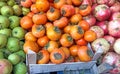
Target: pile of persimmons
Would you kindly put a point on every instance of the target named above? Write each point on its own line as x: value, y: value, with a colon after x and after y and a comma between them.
x: 56, y: 30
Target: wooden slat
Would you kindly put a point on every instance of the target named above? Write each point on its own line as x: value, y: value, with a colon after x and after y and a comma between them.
x: 104, y: 67
x: 94, y: 69
x: 98, y: 53
x: 43, y: 68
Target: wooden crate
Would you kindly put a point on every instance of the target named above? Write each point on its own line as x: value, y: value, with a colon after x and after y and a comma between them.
x: 67, y: 68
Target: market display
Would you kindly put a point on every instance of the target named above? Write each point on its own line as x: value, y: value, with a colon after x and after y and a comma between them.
x: 58, y: 31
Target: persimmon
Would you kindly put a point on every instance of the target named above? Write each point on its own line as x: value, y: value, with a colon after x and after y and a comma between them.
x: 57, y: 56
x: 85, y: 9
x: 39, y: 18
x: 61, y: 23
x: 42, y: 5
x: 84, y: 54
x: 67, y: 29
x: 33, y: 1
x: 74, y: 50
x: 53, y: 14
x: 81, y: 42
x: 76, y: 32
x: 67, y: 10
x: 53, y: 33
x: 26, y: 22
x: 50, y: 46
x: 31, y: 45
x: 59, y: 3
x: 66, y: 51
x: 30, y: 37
x: 26, y: 3
x: 90, y: 36
x: 66, y: 40
x: 48, y: 24
x: 68, y: 2
x: 77, y: 10
x: 43, y: 57
x: 34, y: 9
x: 77, y: 2
x: 42, y: 41
x: 75, y: 19
x: 30, y: 14
x: 85, y: 25
x: 38, y: 30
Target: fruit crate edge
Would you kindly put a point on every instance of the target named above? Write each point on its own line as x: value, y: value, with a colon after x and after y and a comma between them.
x: 75, y: 67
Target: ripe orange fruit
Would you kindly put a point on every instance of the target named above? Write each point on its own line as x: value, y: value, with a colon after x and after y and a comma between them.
x: 30, y: 45
x: 29, y: 36
x: 26, y: 22
x: 90, y: 36
x: 42, y: 41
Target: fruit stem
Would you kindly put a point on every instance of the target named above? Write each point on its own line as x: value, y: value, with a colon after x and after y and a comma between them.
x: 40, y: 28
x: 47, y: 45
x: 80, y: 30
x: 69, y: 38
x: 82, y: 7
x: 57, y: 56
x: 52, y: 9
x: 56, y: 1
x: 70, y: 58
x: 63, y: 12
x: 56, y: 29
x: 39, y: 56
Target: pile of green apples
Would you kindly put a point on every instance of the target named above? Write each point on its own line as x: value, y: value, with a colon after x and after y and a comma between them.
x: 12, y: 56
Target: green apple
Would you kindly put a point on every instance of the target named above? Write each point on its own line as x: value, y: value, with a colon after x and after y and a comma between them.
x: 1, y: 55
x: 13, y: 44
x: 4, y: 22
x: 21, y: 45
x: 14, y: 21
x: 17, y: 10
x: 6, y: 52
x: 2, y: 4
x: 18, y: 32
x: 14, y: 58
x: 3, y: 40
x: 7, y: 11
x: 11, y: 2
x: 25, y: 10
x: 20, y: 68
x: 22, y: 54
x: 7, y: 32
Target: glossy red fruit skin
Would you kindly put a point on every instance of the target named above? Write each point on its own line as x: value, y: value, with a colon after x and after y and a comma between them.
x: 102, y: 12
